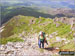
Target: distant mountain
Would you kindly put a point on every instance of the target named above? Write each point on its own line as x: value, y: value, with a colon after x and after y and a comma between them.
x: 65, y: 11
x: 48, y: 3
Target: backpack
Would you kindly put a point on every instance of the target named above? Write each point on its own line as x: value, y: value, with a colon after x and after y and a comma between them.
x: 42, y: 36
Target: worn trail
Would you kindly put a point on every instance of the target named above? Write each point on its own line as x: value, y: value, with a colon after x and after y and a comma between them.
x: 27, y: 48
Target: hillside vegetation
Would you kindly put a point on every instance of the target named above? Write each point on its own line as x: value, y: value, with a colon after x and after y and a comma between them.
x: 31, y: 25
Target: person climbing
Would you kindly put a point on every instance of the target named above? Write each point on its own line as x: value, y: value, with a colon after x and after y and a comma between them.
x: 42, y: 39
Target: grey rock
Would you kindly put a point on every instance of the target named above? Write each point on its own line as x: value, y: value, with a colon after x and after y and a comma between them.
x: 50, y: 36
x: 3, y: 47
x: 74, y: 34
x: 58, y: 24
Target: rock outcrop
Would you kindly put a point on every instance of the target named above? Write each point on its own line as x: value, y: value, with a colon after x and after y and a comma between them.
x: 69, y: 21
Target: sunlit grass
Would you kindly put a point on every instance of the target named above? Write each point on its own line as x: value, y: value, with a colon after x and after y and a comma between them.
x: 10, y: 39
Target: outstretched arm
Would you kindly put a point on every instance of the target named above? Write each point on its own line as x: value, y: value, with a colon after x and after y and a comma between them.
x: 46, y: 41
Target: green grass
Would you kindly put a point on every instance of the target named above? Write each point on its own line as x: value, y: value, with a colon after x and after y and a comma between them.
x: 10, y: 39
x: 41, y: 50
x: 70, y: 46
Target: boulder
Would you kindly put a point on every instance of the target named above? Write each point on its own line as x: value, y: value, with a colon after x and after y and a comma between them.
x: 20, y: 35
x: 55, y: 33
x: 18, y: 45
x: 32, y: 21
x: 10, y: 43
x: 23, y: 23
x: 64, y: 39
x: 74, y: 34
x: 57, y: 48
x: 74, y: 40
x: 39, y: 21
x: 70, y: 32
x: 3, y: 47
x: 39, y: 16
x: 50, y: 36
x: 9, y: 53
x: 66, y: 42
x: 73, y: 28
x: 10, y: 48
x: 58, y: 39
x: 72, y: 23
x: 56, y: 19
x: 57, y: 24
x: 23, y: 33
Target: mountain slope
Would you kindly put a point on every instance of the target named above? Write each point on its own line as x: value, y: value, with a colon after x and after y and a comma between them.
x: 19, y: 27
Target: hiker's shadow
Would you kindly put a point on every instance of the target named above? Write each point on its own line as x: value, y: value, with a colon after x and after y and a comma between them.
x: 49, y: 48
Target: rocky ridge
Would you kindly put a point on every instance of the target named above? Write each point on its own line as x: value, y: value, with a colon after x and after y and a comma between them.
x: 27, y: 48
x: 70, y: 21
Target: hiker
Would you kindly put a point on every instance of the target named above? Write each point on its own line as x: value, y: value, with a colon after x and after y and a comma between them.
x: 42, y: 39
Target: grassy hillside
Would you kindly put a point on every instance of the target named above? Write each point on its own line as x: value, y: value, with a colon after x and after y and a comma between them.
x: 31, y: 25
x: 24, y: 23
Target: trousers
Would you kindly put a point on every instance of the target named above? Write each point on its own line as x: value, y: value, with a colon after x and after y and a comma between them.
x: 41, y: 43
